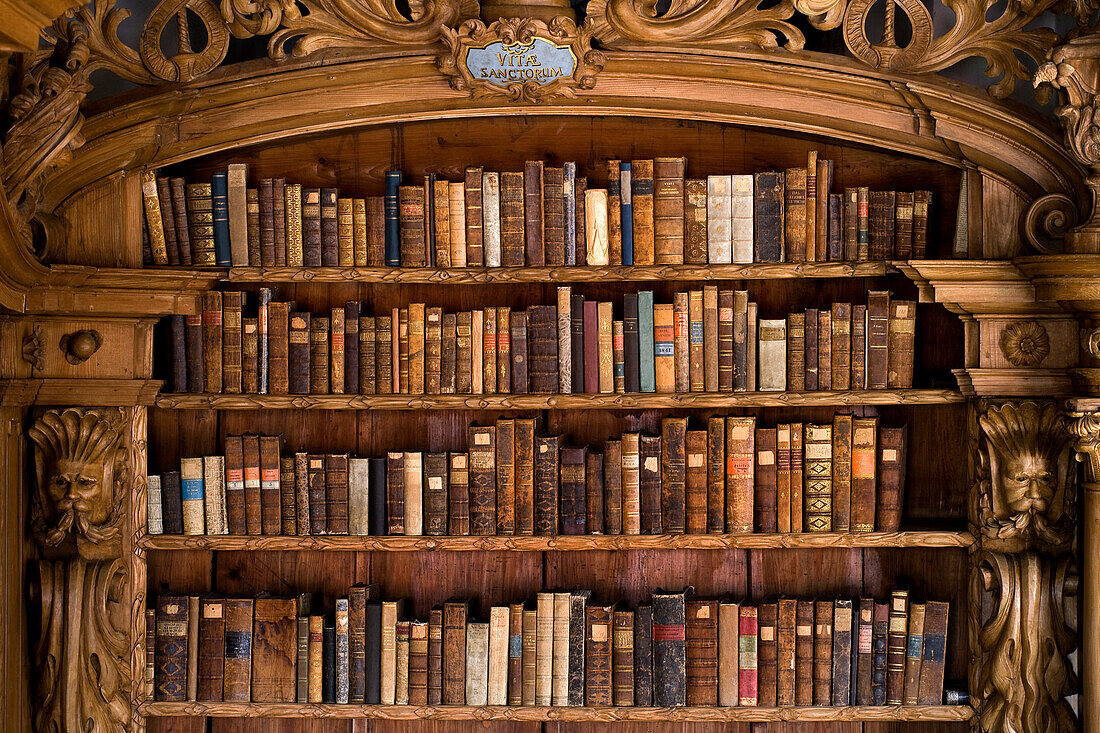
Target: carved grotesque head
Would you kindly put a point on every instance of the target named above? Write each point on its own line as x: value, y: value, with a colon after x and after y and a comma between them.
x: 1028, y: 453
x: 75, y: 454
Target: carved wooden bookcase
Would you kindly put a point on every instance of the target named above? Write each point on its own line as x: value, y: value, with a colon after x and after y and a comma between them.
x: 339, y: 90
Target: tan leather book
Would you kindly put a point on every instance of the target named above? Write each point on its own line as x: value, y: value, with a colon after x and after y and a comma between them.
x: 785, y: 633
x: 930, y: 688
x: 752, y: 324
x: 504, y: 350
x: 896, y: 639
x: 824, y: 350
x: 497, y: 657
x: 358, y: 232
x: 250, y: 357
x: 319, y: 355
x: 458, y: 495
x: 456, y: 213
x: 740, y: 464
x: 238, y: 650
x: 154, y: 220
x: 726, y: 341
x: 559, y: 681
x: 641, y: 191
x: 565, y: 342
x: 475, y: 235
x: 596, y: 227
x: 710, y: 338
x: 822, y: 652
x: 622, y: 659
x: 900, y: 349
x: 511, y: 219
x: 274, y: 650
x: 505, y: 463
x: 859, y: 347
x: 489, y: 351
x: 811, y: 206
x: 719, y: 219
x: 448, y: 359
x: 631, y: 481
x: 716, y: 475
x: 213, y: 488
x: 729, y: 642
x: 695, y: 481
x: 818, y: 496
x: 433, y: 350
x: 914, y: 650
x: 528, y: 652
x: 212, y: 334
x: 477, y: 663
x: 401, y: 676
x: 841, y: 352
x: 414, y: 250
x: 345, y: 232
x: 417, y: 363
x: 544, y: 648
x: 696, y: 368
x: 702, y: 652
x: 614, y: 213
x: 798, y: 473
x: 441, y: 222
x: 843, y: 437
x: 794, y: 215
x: 232, y: 304
x: 315, y: 655
x: 193, y: 610
x: 414, y: 493
x: 524, y: 471
x: 764, y: 479
x: 824, y: 183
x: 804, y: 653
x: 863, y: 488
x: 668, y: 210
x: 490, y: 218
x: 391, y: 614
x: 783, y: 477
x: 796, y: 353
x: 336, y: 350
x: 695, y: 221
x: 681, y: 343
x: 454, y: 652
x: 664, y: 347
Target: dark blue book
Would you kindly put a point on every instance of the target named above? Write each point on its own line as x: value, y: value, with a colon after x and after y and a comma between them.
x: 219, y: 190
x: 627, y: 213
x: 393, y: 224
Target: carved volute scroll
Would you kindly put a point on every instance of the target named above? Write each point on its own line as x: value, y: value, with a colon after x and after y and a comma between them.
x: 83, y: 481
x: 1023, y: 583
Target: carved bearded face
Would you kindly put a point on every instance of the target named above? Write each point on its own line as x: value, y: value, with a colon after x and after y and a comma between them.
x: 1029, y: 484
x: 76, y: 491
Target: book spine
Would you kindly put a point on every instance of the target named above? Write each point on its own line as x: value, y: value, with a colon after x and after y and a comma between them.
x: 727, y: 343
x: 719, y: 219
x: 785, y: 651
x: 748, y: 657
x: 170, y: 673
x: 795, y: 215
x: 622, y: 659
x: 512, y: 220
x: 804, y: 654
x: 191, y: 492
x: 650, y: 484
x: 765, y: 482
x: 393, y: 220
x: 669, y: 650
x: 475, y: 233
x: 896, y: 646
x: 613, y: 487
x: 631, y: 482
x: 598, y: 672
x: 673, y: 479
x: 819, y: 478
x: 482, y: 486
x: 914, y: 650
x: 841, y: 653
x: 843, y: 434
x: 505, y: 463
x: 435, y: 656
x: 716, y: 475
x: 515, y: 654
x: 668, y: 210
x: 154, y: 222
x: 643, y: 656
x: 879, y: 640
x: 729, y: 638
x: 546, y: 485
x: 891, y: 478
x: 740, y: 464
x: 458, y: 492
x: 701, y: 653
x: 572, y: 491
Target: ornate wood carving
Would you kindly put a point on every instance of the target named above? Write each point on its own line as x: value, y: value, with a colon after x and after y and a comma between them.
x: 1025, y: 343
x: 80, y: 345
x: 1023, y: 624
x: 83, y: 482
x: 1085, y: 427
x: 33, y: 351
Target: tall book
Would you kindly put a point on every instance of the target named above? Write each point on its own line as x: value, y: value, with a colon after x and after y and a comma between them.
x: 490, y: 218
x: 740, y: 464
x: 930, y: 686
x: 237, y: 686
x: 716, y: 475
x: 553, y: 202
x: 819, y: 478
x: 497, y: 657
x: 701, y: 652
x: 643, y: 656
x: 669, y: 649
x: 641, y: 183
x: 695, y: 221
x: 719, y: 219
x: 729, y: 641
x: 170, y: 673
x: 622, y: 659
x: 785, y: 651
x: 863, y: 467
x: 822, y: 651
x: 914, y: 650
x: 891, y: 478
x: 842, y: 652
x: 765, y: 500
x: 741, y: 218
x: 767, y: 674
x: 546, y: 485
x: 804, y: 663
x: 274, y: 649
x: 843, y: 446
x: 748, y: 657
x: 393, y: 220
x: 795, y: 212
x: 533, y: 213
x: 626, y: 186
x: 896, y: 638
x: 768, y: 216
x: 512, y: 220
x: 668, y: 210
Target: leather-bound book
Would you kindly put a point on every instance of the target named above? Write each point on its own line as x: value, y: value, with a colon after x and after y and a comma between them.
x: 482, y: 486
x: 512, y: 219
x: 435, y: 656
x: 896, y: 637
x: 212, y: 341
x: 299, y: 352
x: 464, y: 363
x: 613, y: 487
x: 263, y: 338
x: 391, y: 614
x: 922, y: 204
x: 278, y: 191
x: 593, y: 502
x: 528, y: 657
x: 311, y: 227
x: 701, y: 652
x: 546, y: 485
x: 673, y: 475
x: 278, y: 348
x: 211, y: 644
x: 786, y: 655
x: 716, y: 475
x: 170, y: 673
x: 193, y: 505
x: 796, y: 353
x: 822, y: 652
x: 641, y: 194
x: 881, y: 225
x: 863, y: 233
x: 319, y: 355
x: 458, y: 490
x: 496, y: 659
x: 649, y: 484
x: 681, y: 342
x: 350, y: 365
x: 553, y: 204
x: 710, y: 338
x: 542, y: 349
x: 435, y: 494
x: 301, y: 493
x: 598, y: 657
x: 518, y: 343
x: 490, y: 218
x: 774, y: 354
x: 544, y: 650
x: 765, y: 502
x: 843, y: 436
x: 316, y: 664
x: 795, y: 215
x: 879, y: 633
x: 200, y: 224
x: 627, y: 212
x: 154, y: 221
x: 729, y: 639
x: 417, y: 316
x: 253, y: 486
x: 368, y: 338
x: 373, y: 652
x: 741, y: 218
x: 841, y: 346
x: 695, y: 221
x: 193, y: 614
x: 618, y: 355
x: 914, y: 650
x: 213, y: 479
x: 818, y: 493
x: 811, y: 206
x: 357, y: 639
x: 622, y: 659
x: 504, y: 350
x: 330, y: 240
x: 903, y: 226
x: 842, y: 652
x: 524, y: 473
x: 696, y: 377
x: 418, y: 663
x: 358, y: 232
x: 329, y: 663
x: 813, y: 350
x: 900, y: 347
x: 573, y: 491
x: 891, y: 478
x: 864, y: 651
x: 274, y: 650
x: 850, y: 217
x: 505, y: 463
x: 643, y: 656
x: 614, y: 214
x: 533, y: 213
x: 176, y: 205
x: 590, y: 348
x: 748, y: 673
x: 180, y: 355
x: 232, y: 303
x: 234, y: 485
x: 559, y: 671
x: 400, y: 350
x: 271, y: 501
x: 318, y: 495
x: 669, y: 649
x: 456, y: 216
x: 377, y: 518
x: 565, y: 321
x: 358, y: 496
x: 155, y: 505
x: 740, y: 462
x: 859, y: 347
x: 783, y: 477
x: 631, y: 346
x: 375, y: 232
x: 336, y: 493
x: 804, y: 653
x: 514, y: 676
x: 488, y: 351
x: 475, y: 239
x: 383, y: 354
x: 726, y: 340
x: 267, y: 222
x: 668, y: 210
x: 604, y: 348
x: 695, y: 482
x: 448, y: 353
x: 768, y: 215
x: 740, y: 342
x: 631, y: 480
x: 719, y: 219
x: 835, y: 236
x: 569, y: 212
x: 824, y: 183
x: 395, y: 493
x: 767, y: 655
x: 292, y: 209
x: 237, y: 685
x: 863, y: 465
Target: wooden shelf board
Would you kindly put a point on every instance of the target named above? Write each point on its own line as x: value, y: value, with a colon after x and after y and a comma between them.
x: 608, y: 714
x: 616, y: 273
x: 633, y: 401
x: 559, y: 543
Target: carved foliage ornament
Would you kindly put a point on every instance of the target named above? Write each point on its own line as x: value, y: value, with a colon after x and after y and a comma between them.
x: 525, y: 59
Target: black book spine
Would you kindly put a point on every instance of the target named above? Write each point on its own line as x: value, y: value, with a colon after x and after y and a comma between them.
x: 328, y: 657
x: 643, y: 656
x: 630, y: 343
x: 171, y: 494
x: 576, y: 335
x: 376, y: 498
x: 372, y: 650
x: 179, y: 353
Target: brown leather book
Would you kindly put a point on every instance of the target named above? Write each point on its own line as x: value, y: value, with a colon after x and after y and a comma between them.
x: 435, y: 494
x: 167, y: 219
x: 863, y: 467
x: 489, y: 351
x: 458, y: 495
x: 822, y: 652
x: 417, y: 366
x: 914, y: 650
x: 796, y: 352
x: 542, y: 349
x: 614, y: 213
x: 590, y: 347
x: 824, y: 183
x: 553, y: 203
x: 695, y: 482
x: 515, y: 654
x: 850, y: 217
x: 695, y: 221
x: 786, y: 655
x: 631, y: 480
x: 594, y: 491
x: 315, y: 657
x: 641, y: 191
x: 570, y: 341
x: 376, y: 231
x: 729, y: 643
x: 267, y: 222
x: 504, y: 350
x: 234, y: 485
x: 744, y: 343
x: 383, y: 354
x: 622, y: 659
x: 278, y: 192
x: 512, y: 220
x: 673, y: 476
x: 271, y: 513
x: 843, y: 436
x: 400, y: 348
x: 395, y: 493
x: 598, y: 673
x: 798, y: 473
x: 879, y: 633
x: 546, y: 485
x: 454, y: 652
x: 668, y: 210
x: 726, y: 341
x: 813, y: 346
x: 716, y: 475
x: 818, y: 491
x: 878, y: 338
x: 311, y: 227
x: 200, y: 224
x: 212, y: 341
x: 180, y: 220
x: 232, y: 304
x: 274, y: 650
x: 298, y: 357
x: 922, y: 204
x: 811, y: 206
x: 211, y: 650
x: 351, y: 347
x: 681, y: 343
x: 841, y: 346
x: 464, y: 377
x: 903, y: 226
x: 783, y: 477
x: 237, y: 685
x: 483, y: 479
x: 711, y: 326
x: 448, y: 356
x: 170, y: 672
x: 336, y: 493
x: 533, y: 213
x: 506, y: 477
x: 253, y: 486
x: 864, y: 650
x: 330, y: 240
x: 523, y: 453
x: 881, y: 224
x: 610, y: 483
x: 767, y: 655
x: 345, y: 232
x: 435, y: 656
x: 318, y: 496
x: 357, y: 639
x: 572, y: 491
x: 367, y: 356
x: 193, y: 338
x: 900, y: 348
x: 804, y: 653
x: 859, y: 347
x: 896, y: 637
x: 649, y: 484
x: 278, y: 349
x: 891, y: 478
x: 930, y: 687
x: 518, y: 345
x: 843, y: 682
x: 702, y: 652
x: 765, y: 503
x: 319, y: 355
x: 292, y: 207
x: 740, y: 462
x: 301, y: 493
x: 475, y: 239
x: 795, y: 215
x: 336, y: 351
x: 643, y: 656
x: 418, y: 663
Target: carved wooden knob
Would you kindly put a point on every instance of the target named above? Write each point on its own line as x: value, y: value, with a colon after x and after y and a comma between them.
x: 79, y: 346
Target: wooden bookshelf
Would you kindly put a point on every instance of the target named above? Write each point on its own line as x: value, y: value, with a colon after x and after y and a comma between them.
x: 633, y: 401
x: 565, y: 543
x: 892, y: 713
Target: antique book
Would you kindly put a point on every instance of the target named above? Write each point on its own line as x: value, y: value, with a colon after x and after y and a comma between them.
x: 695, y: 481
x: 377, y: 519
x: 504, y: 350
x: 804, y: 664
x: 191, y: 492
x: 767, y: 654
x: 316, y: 659
x: 237, y: 685
x: 593, y: 502
x: 232, y: 304
x: 517, y: 345
x: 351, y: 346
x: 842, y: 652
x: 900, y: 344
x: 824, y: 184
x: 813, y: 345
x: 783, y: 477
x: 336, y: 493
x: 903, y: 226
x: 752, y: 319
x: 643, y: 656
x: 879, y: 640
x: 850, y: 218
x: 154, y: 520
x: 669, y: 649
x: 863, y: 232
x: 345, y: 232
x: 505, y: 465
x: 181, y: 355
x: 475, y: 240
x: 843, y: 446
x: 411, y: 217
x: 488, y: 351
x: 274, y: 649
x: 614, y: 213
x: 896, y: 637
x: 435, y: 493
x: 824, y: 349
x: 864, y: 650
x: 211, y: 645
x: 395, y: 492
x: 841, y: 346
x: 200, y: 224
x: 458, y: 495
x: 528, y: 652
x: 482, y: 481
x: 818, y: 491
x: 719, y: 219
x: 496, y: 658
x: 464, y: 363
x: 795, y: 215
x: 796, y: 352
x: 626, y: 195
x: 822, y: 652
x: 559, y: 671
x: 641, y: 199
x: 695, y: 221
x: 766, y: 500
x: 391, y: 614
x: 456, y: 213
x: 448, y: 356
x: 835, y: 236
x: 881, y: 223
x: 383, y: 354
x: 811, y: 206
x: 328, y: 664
x: 785, y: 651
x: 546, y: 505
x: 319, y: 355
x: 292, y: 207
x: 729, y: 639
x: 681, y: 343
x: 213, y: 494
x: 533, y: 213
x: 318, y: 495
x: 154, y: 220
x: 768, y: 216
x: 417, y: 370
x: 914, y: 651
x: 435, y: 656
x: 673, y: 474
x: 603, y: 348
x: 565, y: 320
x: 716, y: 475
x: 542, y: 349
x: 922, y: 203
x: 578, y: 601
x: 631, y: 344
x: 664, y: 355
x: 740, y: 462
x: 212, y: 341
x: 878, y: 339
x: 586, y: 365
x: 701, y: 652
x: 400, y: 348
x: 490, y: 218
x: 514, y: 654
x: 544, y: 649
x: 181, y: 220
x: 170, y: 673
x: 311, y: 227
x: 696, y: 378
x: 649, y: 484
x: 359, y: 247
x: 511, y: 219
x: 618, y: 349
x: 726, y: 340
x: 622, y: 659
x: 613, y: 487
x: 270, y: 516
x: 439, y: 208
x: 740, y: 342
x: 357, y: 639
x: 710, y: 338
x: 863, y: 480
x: 301, y: 493
x: 891, y: 478
x: 523, y: 455
x: 298, y: 356
x: 668, y: 210
x: 278, y: 348
x: 278, y: 214
x: 250, y: 357
x: 747, y: 657
x: 569, y: 212
x: 418, y: 663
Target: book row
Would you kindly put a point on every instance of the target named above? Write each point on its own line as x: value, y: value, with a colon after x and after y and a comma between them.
x: 565, y: 651
x: 727, y: 476
x: 707, y: 340
x: 648, y: 213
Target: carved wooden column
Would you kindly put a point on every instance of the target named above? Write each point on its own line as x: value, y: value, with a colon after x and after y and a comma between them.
x: 1023, y: 575
x: 1086, y: 429
x: 87, y: 461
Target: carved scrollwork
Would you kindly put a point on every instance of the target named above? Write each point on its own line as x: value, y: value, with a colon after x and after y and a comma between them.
x: 32, y: 351
x: 1047, y: 222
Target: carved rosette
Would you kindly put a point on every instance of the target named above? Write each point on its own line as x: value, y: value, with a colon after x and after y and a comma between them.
x: 1025, y: 343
